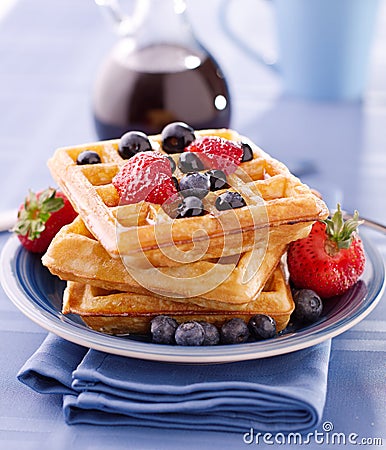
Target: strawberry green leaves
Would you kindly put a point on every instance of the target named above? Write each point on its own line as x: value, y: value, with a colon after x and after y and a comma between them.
x: 341, y: 231
x: 36, y: 211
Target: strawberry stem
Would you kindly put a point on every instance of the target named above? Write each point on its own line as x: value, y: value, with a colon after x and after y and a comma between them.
x: 37, y: 209
x: 340, y: 231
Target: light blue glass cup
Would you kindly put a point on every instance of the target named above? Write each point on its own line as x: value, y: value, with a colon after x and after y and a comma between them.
x: 325, y: 46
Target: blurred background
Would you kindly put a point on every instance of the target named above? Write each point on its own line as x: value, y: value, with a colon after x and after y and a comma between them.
x: 51, y: 53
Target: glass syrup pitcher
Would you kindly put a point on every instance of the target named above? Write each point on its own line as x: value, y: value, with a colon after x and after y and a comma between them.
x: 157, y: 73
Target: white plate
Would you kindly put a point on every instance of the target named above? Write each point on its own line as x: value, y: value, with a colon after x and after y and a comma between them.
x: 38, y: 295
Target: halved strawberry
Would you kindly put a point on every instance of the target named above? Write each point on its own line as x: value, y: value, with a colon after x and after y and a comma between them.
x: 145, y: 176
x: 331, y: 259
x: 162, y: 192
x: 217, y: 153
x: 41, y: 216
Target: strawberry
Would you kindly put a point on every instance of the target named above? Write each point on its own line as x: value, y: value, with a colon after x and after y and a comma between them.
x: 162, y: 191
x: 40, y: 217
x: 331, y: 259
x: 217, y: 153
x: 145, y: 176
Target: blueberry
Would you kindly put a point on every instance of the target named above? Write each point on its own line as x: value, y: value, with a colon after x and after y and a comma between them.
x: 176, y: 136
x: 247, y: 152
x: 132, y: 143
x: 262, y: 326
x: 190, y: 162
x: 234, y: 331
x: 88, y: 157
x: 211, y: 333
x: 162, y: 329
x: 308, y: 306
x: 217, y: 179
x: 189, y: 333
x: 172, y: 163
x: 175, y: 182
x: 189, y: 207
x: 229, y: 200
x: 194, y: 184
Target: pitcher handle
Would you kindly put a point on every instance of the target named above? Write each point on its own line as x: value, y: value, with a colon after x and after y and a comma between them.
x: 125, y: 25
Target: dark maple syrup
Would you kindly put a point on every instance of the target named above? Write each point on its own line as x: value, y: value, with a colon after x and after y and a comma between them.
x: 149, y: 88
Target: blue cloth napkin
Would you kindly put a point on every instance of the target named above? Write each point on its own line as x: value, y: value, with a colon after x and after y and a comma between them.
x: 278, y: 394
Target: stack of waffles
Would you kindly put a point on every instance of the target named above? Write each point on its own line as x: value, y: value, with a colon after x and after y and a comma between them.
x: 127, y: 263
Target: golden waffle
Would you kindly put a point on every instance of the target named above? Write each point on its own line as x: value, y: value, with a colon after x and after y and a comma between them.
x: 76, y: 255
x: 144, y: 228
x: 115, y: 312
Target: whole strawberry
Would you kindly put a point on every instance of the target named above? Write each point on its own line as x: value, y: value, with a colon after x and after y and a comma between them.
x: 331, y: 259
x: 40, y: 217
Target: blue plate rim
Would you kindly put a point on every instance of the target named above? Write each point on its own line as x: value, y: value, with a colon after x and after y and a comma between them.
x: 291, y: 342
